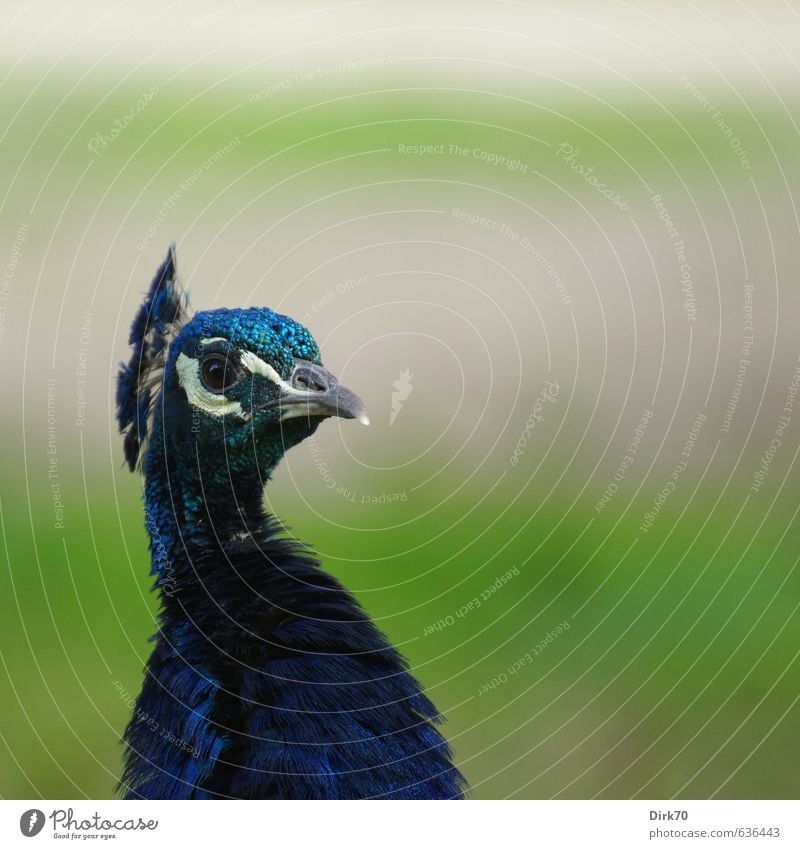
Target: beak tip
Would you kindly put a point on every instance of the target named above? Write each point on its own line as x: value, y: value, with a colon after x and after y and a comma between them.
x: 363, y: 418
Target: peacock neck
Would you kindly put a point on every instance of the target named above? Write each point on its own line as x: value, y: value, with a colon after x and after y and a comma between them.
x: 265, y: 669
x: 192, y: 509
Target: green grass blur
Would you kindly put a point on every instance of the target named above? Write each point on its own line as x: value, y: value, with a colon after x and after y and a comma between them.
x: 655, y: 689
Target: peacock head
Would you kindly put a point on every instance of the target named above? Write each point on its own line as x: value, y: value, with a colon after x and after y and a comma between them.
x: 235, y: 387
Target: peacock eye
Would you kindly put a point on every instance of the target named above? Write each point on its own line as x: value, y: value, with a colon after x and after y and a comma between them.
x: 218, y: 373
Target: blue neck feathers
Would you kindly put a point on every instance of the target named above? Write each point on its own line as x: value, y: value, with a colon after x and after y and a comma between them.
x: 267, y: 679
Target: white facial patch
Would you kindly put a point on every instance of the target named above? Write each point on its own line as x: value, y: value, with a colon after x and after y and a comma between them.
x: 197, y: 395
x: 255, y: 365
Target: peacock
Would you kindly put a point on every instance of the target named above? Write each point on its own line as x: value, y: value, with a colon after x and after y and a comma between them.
x: 267, y: 680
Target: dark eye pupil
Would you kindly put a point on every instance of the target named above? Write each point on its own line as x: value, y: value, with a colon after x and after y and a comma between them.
x: 218, y: 374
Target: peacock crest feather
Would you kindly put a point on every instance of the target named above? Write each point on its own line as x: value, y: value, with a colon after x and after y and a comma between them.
x: 158, y: 320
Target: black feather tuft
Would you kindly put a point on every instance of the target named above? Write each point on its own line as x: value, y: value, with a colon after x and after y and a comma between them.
x: 155, y: 325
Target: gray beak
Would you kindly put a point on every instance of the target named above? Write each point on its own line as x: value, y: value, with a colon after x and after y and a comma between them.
x: 313, y: 391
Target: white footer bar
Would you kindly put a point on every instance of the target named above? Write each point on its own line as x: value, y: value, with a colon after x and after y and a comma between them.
x: 405, y: 825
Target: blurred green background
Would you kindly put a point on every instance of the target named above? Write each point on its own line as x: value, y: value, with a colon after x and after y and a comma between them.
x: 580, y: 161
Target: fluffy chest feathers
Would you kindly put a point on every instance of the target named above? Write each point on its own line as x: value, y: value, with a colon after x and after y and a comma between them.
x: 282, y: 688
